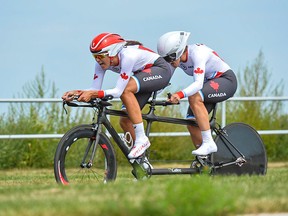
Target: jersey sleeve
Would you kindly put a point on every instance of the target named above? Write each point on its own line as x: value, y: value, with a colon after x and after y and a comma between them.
x: 127, y: 63
x: 98, y: 78
x: 200, y: 58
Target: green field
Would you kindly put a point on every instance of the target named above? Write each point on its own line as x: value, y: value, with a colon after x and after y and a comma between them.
x: 34, y: 192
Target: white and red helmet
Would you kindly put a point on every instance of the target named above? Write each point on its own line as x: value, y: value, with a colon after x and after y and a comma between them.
x: 107, y: 43
x: 172, y: 45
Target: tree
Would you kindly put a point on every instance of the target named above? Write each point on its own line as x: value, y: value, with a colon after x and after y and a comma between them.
x: 36, y: 118
x: 262, y: 115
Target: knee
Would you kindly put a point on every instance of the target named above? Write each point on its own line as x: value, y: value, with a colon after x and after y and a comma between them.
x: 125, y: 92
x: 130, y: 88
x: 195, y: 100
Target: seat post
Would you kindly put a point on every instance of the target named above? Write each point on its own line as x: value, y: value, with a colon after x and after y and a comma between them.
x: 151, y: 112
x: 154, y: 95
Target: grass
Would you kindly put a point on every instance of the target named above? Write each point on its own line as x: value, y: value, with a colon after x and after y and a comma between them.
x: 34, y: 192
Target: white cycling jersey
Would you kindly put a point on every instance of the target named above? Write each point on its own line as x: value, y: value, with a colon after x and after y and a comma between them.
x: 131, y: 59
x: 203, y: 64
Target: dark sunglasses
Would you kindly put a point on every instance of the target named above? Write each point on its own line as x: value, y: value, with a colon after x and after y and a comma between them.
x: 170, y: 58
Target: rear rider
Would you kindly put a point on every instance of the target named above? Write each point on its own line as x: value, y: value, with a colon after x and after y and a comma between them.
x: 141, y: 72
x: 214, y: 82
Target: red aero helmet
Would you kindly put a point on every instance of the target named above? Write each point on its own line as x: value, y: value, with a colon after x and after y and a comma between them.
x: 107, y: 42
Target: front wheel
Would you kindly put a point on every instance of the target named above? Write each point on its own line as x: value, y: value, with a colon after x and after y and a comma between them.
x: 247, y: 140
x: 72, y: 158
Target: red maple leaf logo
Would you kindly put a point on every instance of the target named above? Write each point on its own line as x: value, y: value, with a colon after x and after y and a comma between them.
x: 198, y: 71
x: 214, y: 85
x: 124, y: 76
x: 147, y: 68
x: 95, y: 76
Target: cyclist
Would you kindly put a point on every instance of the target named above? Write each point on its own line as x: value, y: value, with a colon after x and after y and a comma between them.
x: 141, y: 71
x: 214, y: 81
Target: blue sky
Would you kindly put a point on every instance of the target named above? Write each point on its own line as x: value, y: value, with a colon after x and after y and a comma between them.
x: 56, y: 35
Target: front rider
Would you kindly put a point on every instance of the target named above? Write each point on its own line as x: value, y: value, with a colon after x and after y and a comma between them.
x: 214, y: 81
x: 141, y: 72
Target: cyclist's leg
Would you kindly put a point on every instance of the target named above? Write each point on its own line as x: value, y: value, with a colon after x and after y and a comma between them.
x: 219, y: 89
x: 213, y: 91
x: 147, y: 81
x: 195, y: 131
x: 125, y: 122
x: 135, y: 115
x: 208, y: 145
x: 197, y: 105
x: 131, y: 104
x: 127, y: 126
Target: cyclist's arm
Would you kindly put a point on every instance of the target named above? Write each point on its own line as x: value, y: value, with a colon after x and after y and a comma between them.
x: 197, y: 85
x: 200, y: 60
x: 98, y: 78
x: 124, y: 77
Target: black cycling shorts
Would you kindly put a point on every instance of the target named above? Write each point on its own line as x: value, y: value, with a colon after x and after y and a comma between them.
x: 217, y: 90
x: 152, y: 79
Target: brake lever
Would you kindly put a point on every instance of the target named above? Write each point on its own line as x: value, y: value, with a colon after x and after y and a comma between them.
x: 75, y: 97
x: 92, y: 102
x: 169, y: 95
x: 64, y: 107
x: 107, y: 98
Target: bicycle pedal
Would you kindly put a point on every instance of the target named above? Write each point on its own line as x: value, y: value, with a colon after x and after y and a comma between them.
x: 139, y: 172
x: 204, y: 160
x: 203, y: 157
x: 137, y: 160
x: 132, y: 160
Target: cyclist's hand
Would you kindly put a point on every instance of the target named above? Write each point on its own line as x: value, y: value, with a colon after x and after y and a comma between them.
x: 68, y: 96
x: 174, y: 98
x: 86, y: 96
x: 71, y: 95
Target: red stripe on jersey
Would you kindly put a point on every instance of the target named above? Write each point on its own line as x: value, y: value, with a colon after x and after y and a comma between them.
x: 144, y: 48
x: 218, y: 74
x: 215, y: 53
x: 148, y: 66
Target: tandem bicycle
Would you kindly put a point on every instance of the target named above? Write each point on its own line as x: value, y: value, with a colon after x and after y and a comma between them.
x: 85, y: 153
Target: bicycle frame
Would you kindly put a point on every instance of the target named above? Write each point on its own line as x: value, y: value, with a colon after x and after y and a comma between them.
x: 150, y: 117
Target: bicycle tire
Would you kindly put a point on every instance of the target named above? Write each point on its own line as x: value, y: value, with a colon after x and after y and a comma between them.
x: 247, y: 140
x: 69, y: 154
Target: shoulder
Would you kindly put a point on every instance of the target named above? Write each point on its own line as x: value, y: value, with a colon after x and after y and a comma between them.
x: 136, y: 52
x: 199, y: 47
x: 129, y: 55
x: 198, y: 50
x: 129, y: 51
